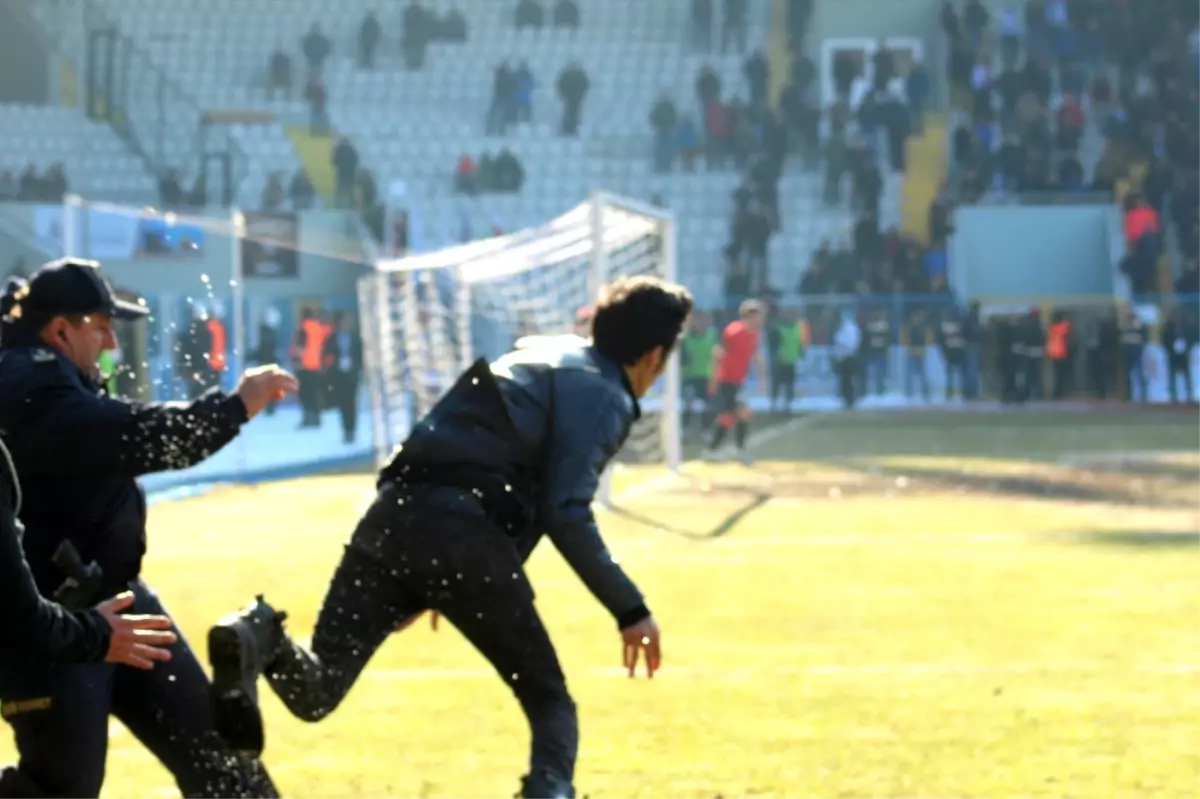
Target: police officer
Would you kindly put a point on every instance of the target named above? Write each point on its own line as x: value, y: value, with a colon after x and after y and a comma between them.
x: 78, y: 453
x: 34, y: 626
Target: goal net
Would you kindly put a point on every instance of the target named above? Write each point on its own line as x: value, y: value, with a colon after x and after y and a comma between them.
x: 427, y: 317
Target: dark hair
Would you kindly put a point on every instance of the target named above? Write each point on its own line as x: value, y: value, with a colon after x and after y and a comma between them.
x: 637, y: 314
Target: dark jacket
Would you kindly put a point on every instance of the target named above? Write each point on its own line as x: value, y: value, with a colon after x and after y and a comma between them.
x: 1178, y: 340
x: 32, y: 625
x: 79, y: 452
x: 527, y: 440
x: 332, y: 355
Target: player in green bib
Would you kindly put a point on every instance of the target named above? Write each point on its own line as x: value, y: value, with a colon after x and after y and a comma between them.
x: 108, y: 371
x: 696, y: 352
x: 786, y: 340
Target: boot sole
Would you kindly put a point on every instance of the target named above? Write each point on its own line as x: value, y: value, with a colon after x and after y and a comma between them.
x: 234, y: 703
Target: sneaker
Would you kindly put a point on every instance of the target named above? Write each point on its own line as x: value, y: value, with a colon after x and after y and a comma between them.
x: 746, y: 458
x: 240, y: 648
x: 711, y: 455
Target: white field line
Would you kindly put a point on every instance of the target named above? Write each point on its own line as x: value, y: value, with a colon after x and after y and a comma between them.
x: 755, y: 440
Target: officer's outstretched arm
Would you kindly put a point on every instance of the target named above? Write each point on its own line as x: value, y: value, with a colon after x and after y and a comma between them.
x: 69, y: 431
x: 581, y: 445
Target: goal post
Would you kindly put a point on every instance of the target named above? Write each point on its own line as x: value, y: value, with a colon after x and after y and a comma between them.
x: 427, y: 316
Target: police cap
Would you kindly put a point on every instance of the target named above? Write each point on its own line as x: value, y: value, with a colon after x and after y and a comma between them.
x: 73, y: 286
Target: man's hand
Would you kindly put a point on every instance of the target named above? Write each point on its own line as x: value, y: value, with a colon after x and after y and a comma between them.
x: 136, y: 641
x: 642, y: 638
x: 262, y: 385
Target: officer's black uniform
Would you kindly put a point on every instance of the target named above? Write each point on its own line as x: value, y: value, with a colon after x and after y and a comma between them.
x: 78, y: 454
x: 513, y: 450
x: 954, y: 350
x: 33, y: 625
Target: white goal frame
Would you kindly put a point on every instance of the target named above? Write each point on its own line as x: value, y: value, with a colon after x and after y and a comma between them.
x: 495, y: 258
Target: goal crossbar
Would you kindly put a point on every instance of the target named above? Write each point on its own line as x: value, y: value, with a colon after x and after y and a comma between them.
x: 431, y: 313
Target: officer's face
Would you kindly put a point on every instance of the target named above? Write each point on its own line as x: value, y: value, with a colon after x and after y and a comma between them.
x: 83, y: 341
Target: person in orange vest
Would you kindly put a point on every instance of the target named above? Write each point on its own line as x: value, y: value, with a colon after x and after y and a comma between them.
x: 218, y: 347
x: 307, y: 351
x: 1059, y: 351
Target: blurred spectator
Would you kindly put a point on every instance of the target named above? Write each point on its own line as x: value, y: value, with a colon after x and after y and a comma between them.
x: 917, y: 333
x: 522, y: 94
x: 708, y: 86
x: 701, y: 24
x: 573, y: 86
x: 316, y: 48
x: 8, y: 186
x: 566, y: 15
x: 170, y: 190
x: 46, y: 188
x: 1179, y: 337
x: 419, y: 26
x: 1134, y: 336
x: 509, y: 175
x: 755, y: 69
x: 733, y: 25
x: 273, y: 196
x: 315, y: 95
x: 369, y: 35
x: 1143, y: 242
x: 688, y: 142
x: 465, y: 174
x: 528, y: 14
x: 718, y: 134
x: 502, y: 110
x: 345, y: 161
x: 198, y: 196
x: 302, y: 191
x: 664, y: 120
x: 916, y: 91
x: 279, y: 74
x: 366, y: 190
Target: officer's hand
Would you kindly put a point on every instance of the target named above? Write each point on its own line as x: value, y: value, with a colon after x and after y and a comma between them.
x: 642, y: 638
x: 136, y: 641
x: 264, y: 384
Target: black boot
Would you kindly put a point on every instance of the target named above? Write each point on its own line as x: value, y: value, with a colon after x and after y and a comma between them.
x: 542, y: 785
x: 241, y: 647
x: 14, y: 783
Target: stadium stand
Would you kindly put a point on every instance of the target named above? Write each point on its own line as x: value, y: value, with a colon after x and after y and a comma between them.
x: 93, y: 158
x: 415, y: 124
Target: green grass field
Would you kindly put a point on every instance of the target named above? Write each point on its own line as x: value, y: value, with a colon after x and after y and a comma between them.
x: 917, y: 605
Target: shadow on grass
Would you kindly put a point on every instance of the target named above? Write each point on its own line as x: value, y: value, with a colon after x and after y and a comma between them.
x: 756, y: 501
x: 1143, y: 468
x: 1137, y: 539
x: 1029, y: 487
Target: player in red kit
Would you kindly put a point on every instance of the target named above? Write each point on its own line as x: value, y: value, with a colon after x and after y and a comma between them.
x: 739, y: 348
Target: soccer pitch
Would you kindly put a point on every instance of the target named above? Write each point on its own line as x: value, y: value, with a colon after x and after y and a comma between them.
x: 921, y: 604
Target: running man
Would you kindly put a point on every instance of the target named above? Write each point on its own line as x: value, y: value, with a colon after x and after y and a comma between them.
x: 732, y: 358
x: 515, y: 449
